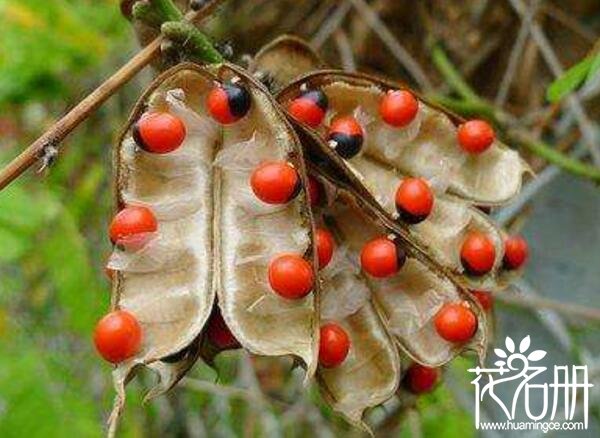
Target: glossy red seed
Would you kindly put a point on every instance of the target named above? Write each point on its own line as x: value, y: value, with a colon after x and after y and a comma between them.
x: 159, y: 132
x: 218, y: 332
x: 478, y: 253
x: 414, y: 200
x: 307, y: 111
x: 131, y: 223
x: 455, y: 322
x: 275, y: 182
x: 217, y: 103
x: 314, y: 190
x: 516, y: 252
x: 381, y: 257
x: 290, y: 276
x: 334, y: 345
x: 485, y: 299
x: 325, y: 246
x: 475, y: 136
x: 398, y: 108
x: 421, y: 379
x: 118, y: 336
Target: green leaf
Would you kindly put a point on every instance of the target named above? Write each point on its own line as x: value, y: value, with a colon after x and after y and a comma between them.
x: 570, y: 80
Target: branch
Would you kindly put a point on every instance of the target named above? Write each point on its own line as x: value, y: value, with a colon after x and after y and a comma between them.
x: 63, y: 127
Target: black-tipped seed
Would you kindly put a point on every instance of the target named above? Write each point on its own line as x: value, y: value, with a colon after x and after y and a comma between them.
x: 310, y: 107
x: 346, y: 136
x: 228, y: 103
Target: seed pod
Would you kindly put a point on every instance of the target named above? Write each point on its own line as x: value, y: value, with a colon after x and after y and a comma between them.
x: 384, y: 314
x: 427, y: 146
x: 214, y: 235
x: 284, y: 59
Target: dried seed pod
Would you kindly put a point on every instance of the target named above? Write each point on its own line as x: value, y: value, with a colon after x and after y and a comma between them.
x: 215, y: 237
x: 284, y: 59
x: 426, y: 147
x: 382, y: 315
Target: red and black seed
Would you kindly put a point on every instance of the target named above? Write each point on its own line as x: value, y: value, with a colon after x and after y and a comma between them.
x: 228, y: 103
x: 346, y: 136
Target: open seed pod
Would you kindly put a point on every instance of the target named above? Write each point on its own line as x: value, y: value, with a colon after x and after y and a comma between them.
x: 373, y: 157
x: 283, y: 60
x: 214, y: 235
x: 385, y: 318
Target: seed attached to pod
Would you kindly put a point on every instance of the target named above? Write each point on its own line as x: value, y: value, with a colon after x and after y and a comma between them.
x: 477, y: 253
x: 334, y: 345
x: 398, y: 108
x: 159, y: 132
x: 219, y: 334
x: 228, y: 103
x: 346, y: 136
x: 290, y: 276
x: 414, y: 200
x: 516, y: 252
x: 382, y: 257
x: 314, y: 190
x: 118, y: 336
x: 420, y: 379
x: 325, y: 246
x: 455, y: 322
x: 475, y: 136
x: 275, y: 182
x: 485, y: 299
x: 310, y: 107
x: 130, y: 227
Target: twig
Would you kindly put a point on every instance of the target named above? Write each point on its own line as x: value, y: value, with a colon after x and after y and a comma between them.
x: 515, y: 54
x: 575, y: 106
x: 344, y: 50
x: 66, y: 124
x: 394, y: 46
x: 333, y: 22
x: 574, y: 311
x: 451, y: 74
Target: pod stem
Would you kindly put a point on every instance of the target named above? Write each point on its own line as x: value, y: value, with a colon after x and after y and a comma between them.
x: 191, y: 41
x: 470, y: 104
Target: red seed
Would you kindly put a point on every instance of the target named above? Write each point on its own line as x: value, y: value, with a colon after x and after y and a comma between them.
x: 218, y: 332
x: 382, y: 257
x: 475, y: 136
x: 309, y: 108
x: 485, y: 299
x: 455, y: 322
x: 347, y: 135
x: 159, y: 132
x: 228, y: 103
x: 325, y: 246
x: 118, y: 336
x: 414, y: 200
x: 516, y: 252
x: 334, y: 345
x: 398, y: 108
x: 275, y: 182
x: 477, y: 253
x: 290, y: 276
x: 421, y: 379
x: 132, y: 224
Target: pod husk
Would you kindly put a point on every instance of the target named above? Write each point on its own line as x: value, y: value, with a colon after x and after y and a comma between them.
x: 392, y: 313
x: 374, y: 178
x: 284, y: 59
x: 214, y: 236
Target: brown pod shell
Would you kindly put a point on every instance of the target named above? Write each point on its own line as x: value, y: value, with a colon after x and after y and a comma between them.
x: 284, y: 59
x: 374, y: 176
x: 395, y: 313
x: 214, y: 236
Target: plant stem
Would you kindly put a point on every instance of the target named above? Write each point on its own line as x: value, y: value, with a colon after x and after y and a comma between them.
x: 63, y: 127
x: 167, y: 10
x: 451, y: 74
x: 191, y: 41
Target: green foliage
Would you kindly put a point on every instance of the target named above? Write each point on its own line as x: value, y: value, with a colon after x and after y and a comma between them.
x: 574, y: 77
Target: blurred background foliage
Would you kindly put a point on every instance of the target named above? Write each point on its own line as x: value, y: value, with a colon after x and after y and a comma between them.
x: 52, y: 229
